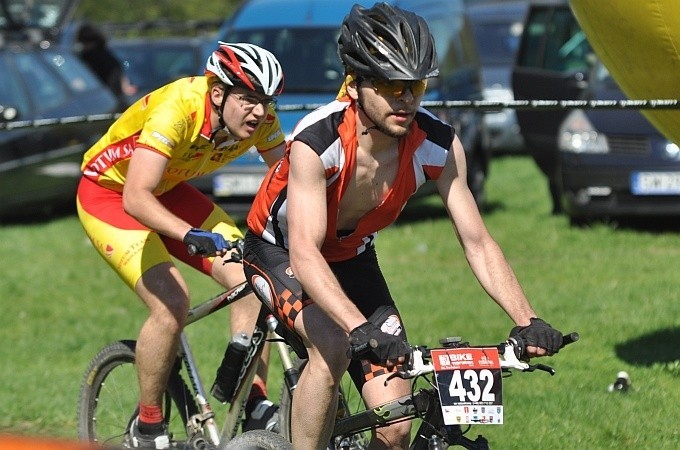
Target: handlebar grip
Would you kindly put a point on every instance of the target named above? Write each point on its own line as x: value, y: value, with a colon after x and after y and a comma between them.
x: 570, y: 338
x: 520, y: 344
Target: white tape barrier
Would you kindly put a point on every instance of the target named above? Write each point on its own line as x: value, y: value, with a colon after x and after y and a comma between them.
x: 464, y: 104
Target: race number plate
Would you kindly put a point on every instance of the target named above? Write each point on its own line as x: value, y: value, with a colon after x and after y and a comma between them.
x: 470, y: 387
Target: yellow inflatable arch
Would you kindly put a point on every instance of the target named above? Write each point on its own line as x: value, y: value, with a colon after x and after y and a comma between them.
x: 639, y: 43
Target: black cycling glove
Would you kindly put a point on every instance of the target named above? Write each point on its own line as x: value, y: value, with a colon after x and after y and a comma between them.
x: 368, y: 342
x: 205, y: 243
x: 539, y: 334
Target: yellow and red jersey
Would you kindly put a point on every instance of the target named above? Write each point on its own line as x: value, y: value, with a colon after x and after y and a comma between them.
x: 174, y: 121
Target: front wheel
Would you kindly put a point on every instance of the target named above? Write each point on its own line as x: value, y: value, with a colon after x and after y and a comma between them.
x: 258, y: 440
x: 109, y: 397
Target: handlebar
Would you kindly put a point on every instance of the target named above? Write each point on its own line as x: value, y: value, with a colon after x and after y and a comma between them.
x: 236, y: 247
x: 510, y: 352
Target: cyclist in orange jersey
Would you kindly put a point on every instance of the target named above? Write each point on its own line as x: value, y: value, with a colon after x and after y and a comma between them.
x: 349, y: 169
x: 138, y: 210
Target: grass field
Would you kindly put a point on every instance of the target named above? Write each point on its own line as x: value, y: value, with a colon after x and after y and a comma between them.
x: 617, y: 286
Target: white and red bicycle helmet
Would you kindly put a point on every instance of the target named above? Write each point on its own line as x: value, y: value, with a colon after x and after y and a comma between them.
x: 247, y: 65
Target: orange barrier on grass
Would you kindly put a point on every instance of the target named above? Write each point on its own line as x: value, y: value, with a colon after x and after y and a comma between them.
x: 27, y: 443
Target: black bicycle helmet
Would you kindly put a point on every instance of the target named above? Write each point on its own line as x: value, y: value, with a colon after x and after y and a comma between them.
x: 387, y: 42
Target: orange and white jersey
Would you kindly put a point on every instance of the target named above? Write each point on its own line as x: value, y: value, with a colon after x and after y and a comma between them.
x: 331, y: 132
x: 174, y: 121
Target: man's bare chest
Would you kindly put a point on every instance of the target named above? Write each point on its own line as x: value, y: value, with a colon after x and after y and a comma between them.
x: 371, y: 180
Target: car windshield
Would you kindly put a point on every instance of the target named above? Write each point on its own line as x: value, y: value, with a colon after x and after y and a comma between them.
x: 497, y: 42
x: 31, y: 13
x: 150, y: 66
x: 43, y: 77
x: 308, y: 55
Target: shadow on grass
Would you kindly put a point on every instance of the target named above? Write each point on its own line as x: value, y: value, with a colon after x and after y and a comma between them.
x: 659, y: 347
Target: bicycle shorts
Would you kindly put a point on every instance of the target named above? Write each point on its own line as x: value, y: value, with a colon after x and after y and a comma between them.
x: 131, y: 248
x: 267, y: 269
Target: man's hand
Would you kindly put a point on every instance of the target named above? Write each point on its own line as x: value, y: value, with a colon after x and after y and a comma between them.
x: 205, y: 243
x: 368, y: 342
x: 539, y: 334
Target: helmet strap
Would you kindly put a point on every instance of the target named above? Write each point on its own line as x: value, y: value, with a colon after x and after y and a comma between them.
x: 220, y: 115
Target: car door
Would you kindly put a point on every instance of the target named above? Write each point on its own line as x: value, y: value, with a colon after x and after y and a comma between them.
x: 552, y: 63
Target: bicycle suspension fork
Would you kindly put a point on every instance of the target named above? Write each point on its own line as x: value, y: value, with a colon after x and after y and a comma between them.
x: 291, y: 374
x: 207, y: 419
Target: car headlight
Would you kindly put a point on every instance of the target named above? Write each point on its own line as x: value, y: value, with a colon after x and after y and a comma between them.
x: 577, y: 135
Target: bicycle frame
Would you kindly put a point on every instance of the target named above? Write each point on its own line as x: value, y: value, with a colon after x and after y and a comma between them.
x: 111, y: 372
x: 264, y: 327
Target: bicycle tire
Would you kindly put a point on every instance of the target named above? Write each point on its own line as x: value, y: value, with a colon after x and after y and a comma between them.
x: 258, y: 440
x: 353, y: 404
x: 109, y: 397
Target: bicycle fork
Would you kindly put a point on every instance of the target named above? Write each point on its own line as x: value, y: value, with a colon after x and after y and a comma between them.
x: 205, y: 420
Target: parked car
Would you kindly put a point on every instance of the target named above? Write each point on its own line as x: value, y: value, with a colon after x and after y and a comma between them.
x: 150, y: 63
x: 615, y: 163
x: 498, y: 29
x: 600, y: 163
x: 303, y: 36
x: 40, y: 165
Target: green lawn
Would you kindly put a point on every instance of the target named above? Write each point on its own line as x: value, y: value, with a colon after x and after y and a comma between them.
x: 618, y: 287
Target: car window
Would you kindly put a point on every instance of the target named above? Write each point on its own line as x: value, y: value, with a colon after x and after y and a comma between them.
x: 566, y: 47
x: 456, y: 47
x: 11, y: 91
x: 47, y: 75
x: 308, y: 55
x: 553, y: 40
x: 45, y: 89
x: 43, y: 14
x: 497, y: 41
x: 72, y: 71
x: 149, y: 66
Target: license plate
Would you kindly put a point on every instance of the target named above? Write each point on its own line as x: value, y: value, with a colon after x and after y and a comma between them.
x: 655, y: 183
x: 231, y: 184
x: 470, y: 386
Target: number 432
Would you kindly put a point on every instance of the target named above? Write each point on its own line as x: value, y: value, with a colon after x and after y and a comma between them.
x: 472, y: 385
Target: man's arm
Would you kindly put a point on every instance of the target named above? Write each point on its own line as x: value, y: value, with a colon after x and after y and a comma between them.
x: 273, y: 155
x: 144, y: 174
x: 482, y: 252
x: 307, y: 223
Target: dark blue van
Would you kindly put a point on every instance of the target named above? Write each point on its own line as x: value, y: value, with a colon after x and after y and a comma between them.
x: 303, y: 36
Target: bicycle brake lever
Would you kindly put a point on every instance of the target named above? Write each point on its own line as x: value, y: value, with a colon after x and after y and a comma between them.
x: 543, y: 367
x: 394, y: 375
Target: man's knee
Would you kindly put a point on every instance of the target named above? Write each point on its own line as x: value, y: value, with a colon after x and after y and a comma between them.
x: 227, y: 273
x: 330, y: 354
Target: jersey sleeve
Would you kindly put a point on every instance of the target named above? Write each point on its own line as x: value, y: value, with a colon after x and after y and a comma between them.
x: 270, y: 134
x: 168, y: 126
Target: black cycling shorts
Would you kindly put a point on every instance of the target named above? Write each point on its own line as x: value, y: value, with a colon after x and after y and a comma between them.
x: 267, y: 269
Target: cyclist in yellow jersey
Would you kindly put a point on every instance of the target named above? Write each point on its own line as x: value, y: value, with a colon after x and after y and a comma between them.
x: 138, y: 210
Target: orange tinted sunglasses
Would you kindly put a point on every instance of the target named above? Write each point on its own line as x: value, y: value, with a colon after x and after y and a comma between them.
x: 396, y: 88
